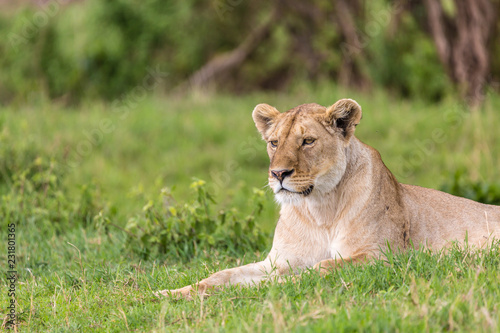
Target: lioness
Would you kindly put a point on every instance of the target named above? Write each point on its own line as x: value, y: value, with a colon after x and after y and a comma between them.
x: 339, y: 202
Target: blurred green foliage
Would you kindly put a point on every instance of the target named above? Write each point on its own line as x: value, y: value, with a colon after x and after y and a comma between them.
x: 406, y: 63
x: 462, y: 186
x: 103, y: 49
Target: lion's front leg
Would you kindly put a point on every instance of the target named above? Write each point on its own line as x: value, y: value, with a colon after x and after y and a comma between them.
x: 245, y: 275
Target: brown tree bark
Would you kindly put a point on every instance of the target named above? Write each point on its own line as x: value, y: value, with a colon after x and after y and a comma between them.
x: 351, y: 71
x: 227, y: 62
x: 462, y: 42
x: 304, y: 22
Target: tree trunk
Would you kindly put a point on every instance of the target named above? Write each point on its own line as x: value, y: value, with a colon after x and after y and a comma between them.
x: 228, y: 61
x: 351, y: 70
x: 462, y: 39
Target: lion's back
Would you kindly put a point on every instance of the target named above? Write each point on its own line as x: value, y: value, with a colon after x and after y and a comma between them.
x: 436, y: 218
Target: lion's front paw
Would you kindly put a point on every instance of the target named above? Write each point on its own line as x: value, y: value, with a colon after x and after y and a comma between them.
x: 322, y: 267
x: 183, y: 293
x: 186, y: 293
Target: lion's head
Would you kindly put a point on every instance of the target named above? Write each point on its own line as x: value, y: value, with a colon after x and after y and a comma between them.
x: 306, y: 146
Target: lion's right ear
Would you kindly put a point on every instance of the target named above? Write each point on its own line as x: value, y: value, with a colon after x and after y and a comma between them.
x: 264, y: 115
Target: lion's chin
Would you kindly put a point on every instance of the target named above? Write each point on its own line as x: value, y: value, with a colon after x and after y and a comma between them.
x: 285, y: 196
x: 288, y: 198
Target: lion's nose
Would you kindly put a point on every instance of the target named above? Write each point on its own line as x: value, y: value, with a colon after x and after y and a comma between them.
x: 281, y: 174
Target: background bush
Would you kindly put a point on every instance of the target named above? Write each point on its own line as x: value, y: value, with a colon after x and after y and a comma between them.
x: 181, y: 230
x: 462, y: 186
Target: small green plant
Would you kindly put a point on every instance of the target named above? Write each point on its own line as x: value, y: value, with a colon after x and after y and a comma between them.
x: 183, y: 229
x: 34, y: 194
x: 477, y: 191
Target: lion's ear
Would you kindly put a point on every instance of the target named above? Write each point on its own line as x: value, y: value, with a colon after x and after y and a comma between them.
x: 345, y: 115
x: 264, y: 116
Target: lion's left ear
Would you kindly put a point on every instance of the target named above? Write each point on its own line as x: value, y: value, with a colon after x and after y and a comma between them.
x: 345, y: 115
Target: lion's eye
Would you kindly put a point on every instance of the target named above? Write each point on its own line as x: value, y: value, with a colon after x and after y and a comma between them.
x: 274, y: 143
x: 308, y: 141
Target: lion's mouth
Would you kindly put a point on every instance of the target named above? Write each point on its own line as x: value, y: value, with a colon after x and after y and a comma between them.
x: 305, y: 193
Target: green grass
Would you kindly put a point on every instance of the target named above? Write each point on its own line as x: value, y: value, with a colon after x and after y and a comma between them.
x: 78, y: 271
x: 91, y: 286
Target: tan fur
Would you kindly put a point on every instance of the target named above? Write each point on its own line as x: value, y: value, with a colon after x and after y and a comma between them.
x: 340, y: 203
